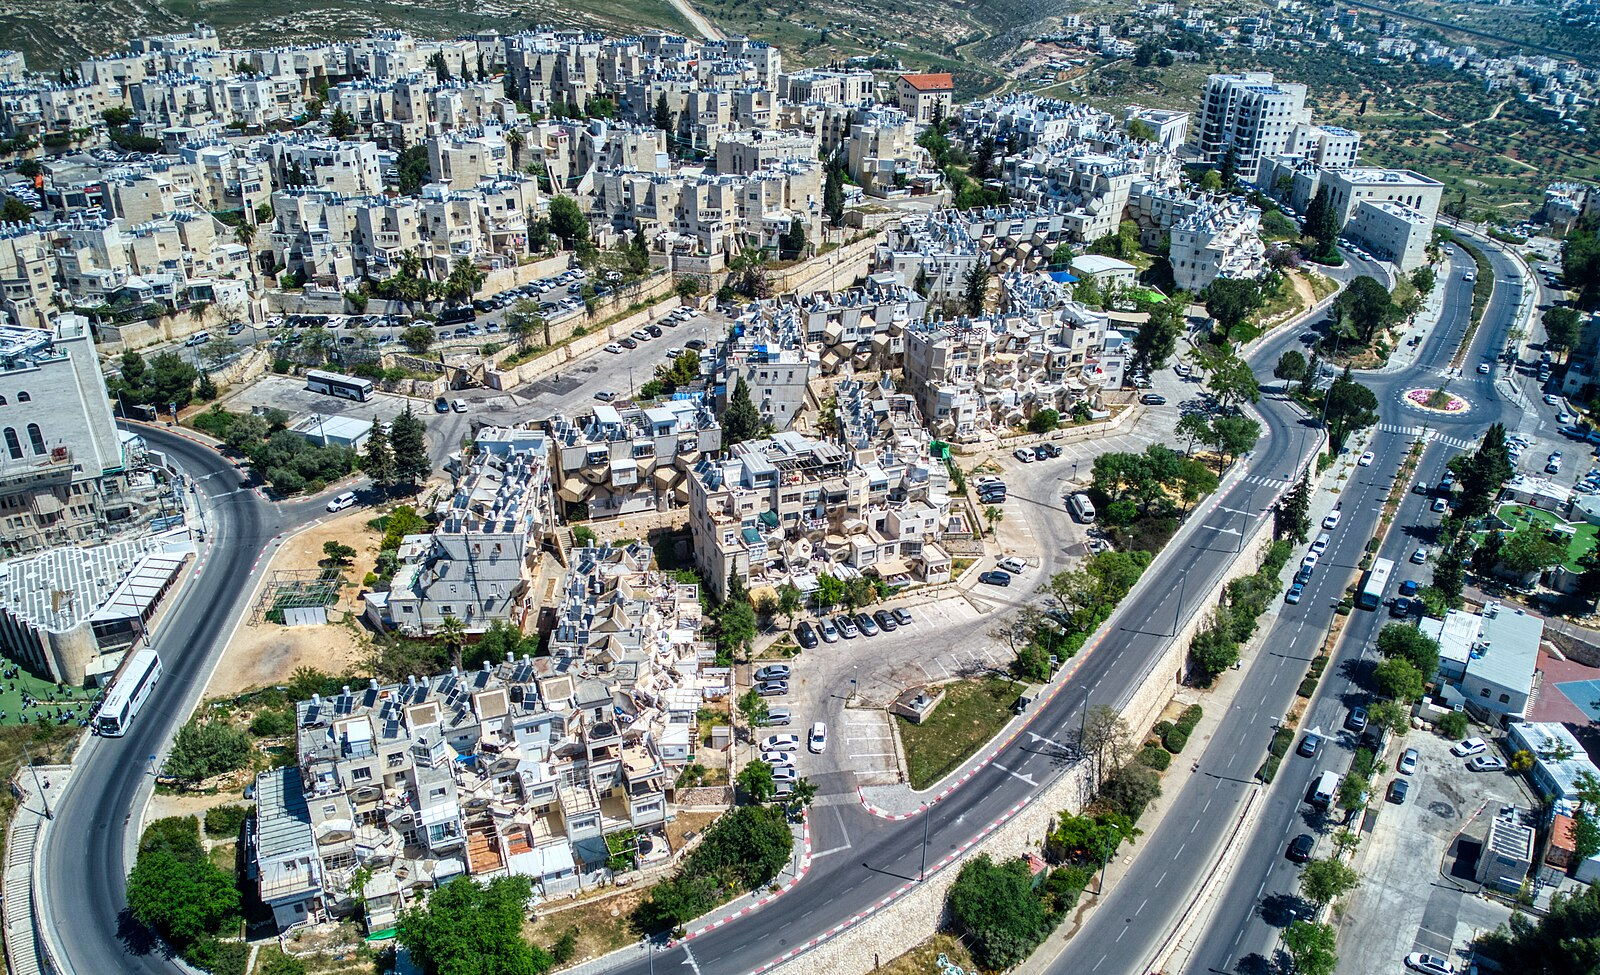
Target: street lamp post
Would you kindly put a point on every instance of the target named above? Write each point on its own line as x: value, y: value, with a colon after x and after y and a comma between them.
x: 927, y: 813
x: 1177, y: 612
x: 37, y: 788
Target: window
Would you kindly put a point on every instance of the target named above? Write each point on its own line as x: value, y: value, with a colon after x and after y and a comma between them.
x: 36, y: 438
x: 1484, y: 692
x: 2, y: 401
x: 1505, y: 699
x: 23, y: 397
x: 361, y: 774
x: 13, y: 445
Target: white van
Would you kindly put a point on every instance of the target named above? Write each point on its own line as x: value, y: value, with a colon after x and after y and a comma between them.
x: 1321, y: 544
x: 1081, y: 507
x: 1326, y: 788
x: 198, y: 338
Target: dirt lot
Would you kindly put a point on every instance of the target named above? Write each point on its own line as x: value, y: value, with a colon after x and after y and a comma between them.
x: 602, y: 923
x: 265, y: 653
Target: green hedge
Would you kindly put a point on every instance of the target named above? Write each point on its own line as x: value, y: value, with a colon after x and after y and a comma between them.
x: 1189, y: 718
x: 1281, y: 739
x: 1175, y: 740
x: 1307, y: 687
x: 1269, y: 769
x: 1319, y: 663
x: 1154, y: 756
x: 1161, y: 729
x: 226, y: 821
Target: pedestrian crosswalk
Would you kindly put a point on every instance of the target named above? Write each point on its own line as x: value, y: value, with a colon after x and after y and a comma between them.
x: 1459, y: 443
x: 1265, y: 481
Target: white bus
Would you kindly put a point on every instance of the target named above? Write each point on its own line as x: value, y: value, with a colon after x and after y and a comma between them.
x: 128, y: 694
x: 1377, y: 581
x: 345, y: 387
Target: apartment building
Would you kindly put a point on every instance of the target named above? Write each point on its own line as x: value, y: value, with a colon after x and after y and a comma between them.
x: 620, y: 460
x: 347, y: 168
x: 461, y: 160
x: 476, y: 564
x: 825, y: 86
x: 758, y: 149
x: 1391, y: 211
x: 881, y: 153
x: 925, y: 97
x: 1249, y: 114
x: 934, y: 253
x: 1328, y: 146
x: 1220, y: 238
x: 520, y: 767
x: 708, y: 215
x: 787, y: 508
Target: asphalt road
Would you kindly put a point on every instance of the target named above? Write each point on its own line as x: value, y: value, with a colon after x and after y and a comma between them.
x: 1244, y: 932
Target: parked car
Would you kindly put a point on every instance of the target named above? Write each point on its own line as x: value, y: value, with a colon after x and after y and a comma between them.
x: 995, y: 578
x: 629, y: 344
x: 776, y: 718
x: 865, y: 624
x: 1310, y: 561
x: 1309, y: 745
x: 1408, y: 762
x: 773, y: 688
x: 1294, y: 593
x: 1012, y: 564
x: 1484, y: 368
x: 1304, y: 575
x: 818, y: 741
x: 775, y: 759
x: 1153, y: 399
x: 773, y: 672
x: 441, y: 405
x: 1469, y: 746
x: 1401, y: 607
x: 1486, y: 763
x: 886, y: 620
x: 342, y: 501
x: 1300, y: 847
x: 784, y: 773
x: 828, y: 632
x: 1024, y: 454
x: 847, y: 626
x: 1421, y: 961
x: 903, y: 617
x: 1332, y: 521
x: 806, y: 636
x: 1398, y: 789
x: 1366, y: 458
x: 1420, y: 555
x: 781, y: 743
x: 1356, y: 720
x: 459, y: 405
x: 641, y: 334
x: 605, y: 395
x: 1045, y: 450
x: 1408, y: 588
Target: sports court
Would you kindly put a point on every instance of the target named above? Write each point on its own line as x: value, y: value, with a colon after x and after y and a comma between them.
x: 1584, y: 695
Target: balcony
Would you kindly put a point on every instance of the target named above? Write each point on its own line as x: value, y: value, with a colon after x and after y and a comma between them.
x: 53, y: 466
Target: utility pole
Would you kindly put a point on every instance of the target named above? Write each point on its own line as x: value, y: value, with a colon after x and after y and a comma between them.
x: 927, y: 812
x: 1177, y: 612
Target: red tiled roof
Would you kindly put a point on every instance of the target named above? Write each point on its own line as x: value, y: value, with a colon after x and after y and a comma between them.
x: 930, y: 82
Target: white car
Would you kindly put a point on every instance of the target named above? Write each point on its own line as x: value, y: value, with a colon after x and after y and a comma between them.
x: 1309, y: 562
x: 613, y: 348
x: 1419, y: 961
x: 1565, y: 417
x: 1366, y: 458
x: 1469, y: 746
x: 1485, y: 763
x: 1012, y: 564
x: 1552, y: 399
x: 1024, y: 454
x: 818, y: 742
x: 775, y: 759
x: 781, y: 743
x: 1332, y: 521
x: 342, y: 501
x: 1484, y: 369
x: 1420, y: 555
x: 784, y: 773
x: 1440, y: 504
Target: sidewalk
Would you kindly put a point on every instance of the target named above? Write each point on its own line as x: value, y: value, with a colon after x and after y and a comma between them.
x: 36, y: 788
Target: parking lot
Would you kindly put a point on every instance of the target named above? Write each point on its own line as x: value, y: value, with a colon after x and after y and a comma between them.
x: 1418, y: 859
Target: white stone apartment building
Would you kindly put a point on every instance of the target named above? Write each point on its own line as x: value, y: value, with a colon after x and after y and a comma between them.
x: 349, y: 169
x: 702, y: 215
x: 1392, y: 211
x: 476, y: 564
x: 621, y: 460
x: 1221, y: 238
x: 1250, y: 114
x: 1489, y: 659
x: 787, y: 508
x: 925, y: 97
x: 516, y: 767
x: 771, y: 355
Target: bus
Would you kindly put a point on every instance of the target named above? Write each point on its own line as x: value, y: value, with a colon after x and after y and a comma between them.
x: 139, y: 677
x: 1377, y: 581
x: 344, y: 387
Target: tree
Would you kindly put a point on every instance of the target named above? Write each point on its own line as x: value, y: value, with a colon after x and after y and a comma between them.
x: 1353, y: 791
x: 1235, y: 435
x: 741, y: 421
x: 568, y: 222
x: 859, y: 592
x: 1483, y: 473
x: 407, y: 441
x: 466, y: 927
x: 417, y: 338
x: 753, y: 707
x: 994, y: 515
x: 340, y: 124
x: 1311, y: 947
x: 1350, y: 407
x: 1402, y: 641
x: 1194, y: 428
x: 833, y: 196
x: 1586, y: 819
x: 755, y: 780
x: 1566, y: 941
x: 464, y: 281
x: 793, y: 242
x: 1091, y: 840
x: 830, y: 591
x: 15, y: 211
x: 1130, y: 788
x: 1211, y: 181
x: 1399, y: 680
x: 1043, y: 421
x: 1563, y: 325
x: 378, y: 460
x: 975, y: 288
x: 663, y: 114
x: 1157, y: 338
x: 736, y: 626
x: 116, y: 116
x: 245, y: 432
x: 1389, y: 716
x: 1424, y: 279
x: 1324, y: 881
x: 1363, y: 307
x: 183, y: 899
x: 996, y: 908
x: 1229, y: 170
x: 336, y: 553
x: 1232, y: 381
x: 524, y: 321
x: 1105, y: 738
x: 1291, y: 516
x: 1291, y: 367
x: 1139, y: 130
x: 452, y: 632
x: 1322, y: 223
x: 202, y: 749
x: 1214, y: 649
x: 1527, y: 552
x: 790, y: 599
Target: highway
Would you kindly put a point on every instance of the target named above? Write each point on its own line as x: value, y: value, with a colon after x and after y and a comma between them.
x: 1244, y: 931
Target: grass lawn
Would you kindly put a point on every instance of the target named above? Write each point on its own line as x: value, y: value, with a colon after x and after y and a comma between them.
x: 972, y: 712
x: 923, y: 959
x: 1519, y: 518
x: 12, y: 689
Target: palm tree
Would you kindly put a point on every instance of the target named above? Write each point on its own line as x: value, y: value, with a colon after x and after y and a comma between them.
x: 245, y: 234
x: 453, y: 634
x: 514, y: 141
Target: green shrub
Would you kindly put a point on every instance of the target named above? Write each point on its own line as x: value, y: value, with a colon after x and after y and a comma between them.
x: 1189, y: 718
x: 224, y: 822
x: 1307, y: 687
x: 1161, y: 729
x: 1453, y: 725
x: 218, y: 957
x: 272, y: 723
x: 1281, y: 739
x: 1154, y: 756
x: 1319, y: 663
x: 1175, y: 740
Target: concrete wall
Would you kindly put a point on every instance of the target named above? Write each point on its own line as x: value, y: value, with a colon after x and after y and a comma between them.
x: 1120, y: 423
x: 553, y: 360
